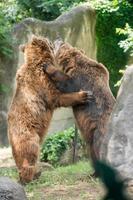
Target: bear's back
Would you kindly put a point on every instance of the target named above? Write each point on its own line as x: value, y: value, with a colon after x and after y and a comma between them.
x: 93, y: 76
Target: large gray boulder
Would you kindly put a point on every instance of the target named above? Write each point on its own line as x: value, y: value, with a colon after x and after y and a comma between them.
x: 117, y: 148
x: 76, y: 27
x: 10, y: 190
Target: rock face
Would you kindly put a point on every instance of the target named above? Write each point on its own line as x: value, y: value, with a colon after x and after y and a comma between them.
x: 76, y: 27
x: 6, y: 159
x: 118, y: 144
x: 9, y: 190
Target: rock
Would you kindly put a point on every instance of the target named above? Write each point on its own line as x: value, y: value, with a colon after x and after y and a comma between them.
x: 10, y: 190
x: 76, y: 27
x: 117, y: 147
x: 6, y: 158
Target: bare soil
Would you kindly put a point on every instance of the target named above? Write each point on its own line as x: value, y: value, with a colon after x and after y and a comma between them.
x: 78, y: 191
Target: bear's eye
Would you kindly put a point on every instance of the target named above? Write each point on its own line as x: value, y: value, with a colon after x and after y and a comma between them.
x: 65, y: 62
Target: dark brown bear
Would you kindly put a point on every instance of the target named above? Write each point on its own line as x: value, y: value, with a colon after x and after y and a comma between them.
x: 86, y: 74
x: 32, y: 106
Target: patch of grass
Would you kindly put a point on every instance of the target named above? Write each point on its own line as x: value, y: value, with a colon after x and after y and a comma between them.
x: 68, y: 177
x: 68, y: 174
x: 9, y: 172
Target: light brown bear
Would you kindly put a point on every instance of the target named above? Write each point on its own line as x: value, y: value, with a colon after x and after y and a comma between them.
x: 32, y: 106
x: 86, y: 74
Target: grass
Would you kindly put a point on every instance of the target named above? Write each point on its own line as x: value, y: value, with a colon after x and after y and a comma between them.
x: 62, y: 183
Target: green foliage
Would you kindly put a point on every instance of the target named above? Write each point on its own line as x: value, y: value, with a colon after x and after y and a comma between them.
x: 126, y: 44
x: 4, y: 88
x: 112, y: 15
x: 46, y: 10
x: 5, y: 45
x: 11, y: 11
x: 5, y: 37
x: 56, y: 144
x: 120, y: 81
x: 16, y: 10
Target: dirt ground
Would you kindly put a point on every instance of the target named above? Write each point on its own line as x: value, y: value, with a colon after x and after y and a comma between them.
x: 78, y: 191
x: 81, y: 188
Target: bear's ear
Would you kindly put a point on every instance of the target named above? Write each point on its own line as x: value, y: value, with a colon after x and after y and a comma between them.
x: 82, y: 51
x: 74, y: 53
x: 22, y: 48
x: 34, y: 40
x: 38, y: 41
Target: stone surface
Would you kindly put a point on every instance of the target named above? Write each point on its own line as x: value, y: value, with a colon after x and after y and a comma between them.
x: 6, y: 158
x: 7, y: 161
x: 10, y: 190
x: 76, y: 27
x: 117, y: 148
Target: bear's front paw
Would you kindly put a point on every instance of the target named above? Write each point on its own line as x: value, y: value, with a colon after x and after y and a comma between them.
x: 86, y: 96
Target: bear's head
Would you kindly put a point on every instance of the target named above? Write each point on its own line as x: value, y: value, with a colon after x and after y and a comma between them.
x: 37, y: 50
x: 65, y: 55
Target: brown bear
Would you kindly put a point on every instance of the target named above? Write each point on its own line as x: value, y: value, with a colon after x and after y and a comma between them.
x: 86, y: 74
x: 34, y: 101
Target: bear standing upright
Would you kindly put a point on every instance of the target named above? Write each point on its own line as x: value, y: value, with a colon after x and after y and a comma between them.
x: 86, y: 74
x: 34, y: 101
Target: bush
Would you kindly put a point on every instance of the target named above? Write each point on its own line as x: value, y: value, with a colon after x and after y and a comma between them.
x: 5, y: 36
x: 46, y: 10
x: 127, y: 44
x: 112, y: 15
x: 5, y: 46
x: 56, y: 144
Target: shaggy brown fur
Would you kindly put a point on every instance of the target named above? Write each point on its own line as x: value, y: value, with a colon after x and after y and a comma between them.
x: 86, y: 74
x: 32, y: 106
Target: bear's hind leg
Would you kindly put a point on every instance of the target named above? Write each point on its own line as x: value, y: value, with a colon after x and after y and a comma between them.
x: 25, y: 152
x: 28, y: 171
